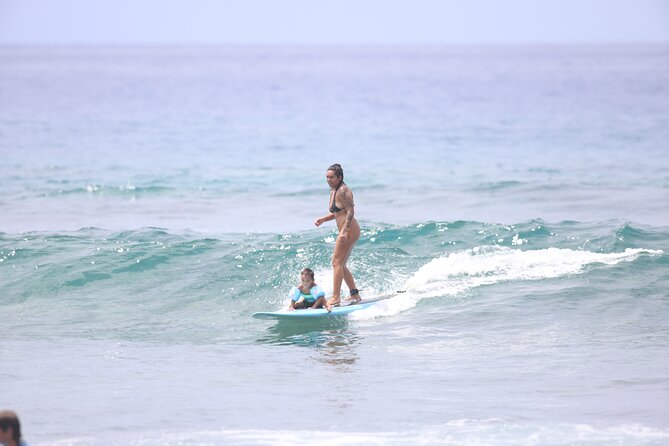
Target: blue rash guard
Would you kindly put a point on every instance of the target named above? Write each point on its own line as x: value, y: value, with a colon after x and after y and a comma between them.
x: 314, y: 293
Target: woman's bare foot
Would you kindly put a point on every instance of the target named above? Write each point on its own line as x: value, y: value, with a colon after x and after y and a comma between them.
x: 354, y: 298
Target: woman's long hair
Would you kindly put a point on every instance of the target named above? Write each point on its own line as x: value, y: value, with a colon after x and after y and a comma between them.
x: 338, y: 171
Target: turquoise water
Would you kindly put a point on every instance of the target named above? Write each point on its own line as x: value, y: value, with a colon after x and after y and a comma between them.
x: 153, y: 198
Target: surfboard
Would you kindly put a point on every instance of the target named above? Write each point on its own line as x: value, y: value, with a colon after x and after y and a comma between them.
x: 320, y: 312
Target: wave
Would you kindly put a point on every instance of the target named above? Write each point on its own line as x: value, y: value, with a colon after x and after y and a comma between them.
x: 113, y: 190
x: 380, y: 244
x: 44, y: 184
x: 459, y: 272
x: 463, y: 432
x: 190, y: 283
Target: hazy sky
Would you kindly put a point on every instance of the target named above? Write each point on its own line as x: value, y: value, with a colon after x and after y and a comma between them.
x: 335, y: 21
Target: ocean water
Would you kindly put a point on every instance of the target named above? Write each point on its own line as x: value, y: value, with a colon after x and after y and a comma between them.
x: 154, y: 197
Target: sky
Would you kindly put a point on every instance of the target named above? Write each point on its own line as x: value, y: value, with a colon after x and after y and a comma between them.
x: 333, y: 22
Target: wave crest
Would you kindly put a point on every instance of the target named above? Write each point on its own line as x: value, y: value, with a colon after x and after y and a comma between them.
x: 464, y: 270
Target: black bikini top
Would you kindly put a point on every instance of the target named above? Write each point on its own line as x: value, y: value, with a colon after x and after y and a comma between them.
x: 333, y: 206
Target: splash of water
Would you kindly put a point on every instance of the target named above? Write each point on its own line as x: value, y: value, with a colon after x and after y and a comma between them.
x: 464, y: 270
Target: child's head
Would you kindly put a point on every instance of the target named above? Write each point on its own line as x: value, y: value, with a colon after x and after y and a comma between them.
x: 307, y: 276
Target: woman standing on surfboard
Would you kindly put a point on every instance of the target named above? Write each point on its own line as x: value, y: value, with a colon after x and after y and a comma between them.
x: 341, y: 210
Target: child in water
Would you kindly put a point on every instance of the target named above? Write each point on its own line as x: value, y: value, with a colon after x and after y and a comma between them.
x: 308, y: 294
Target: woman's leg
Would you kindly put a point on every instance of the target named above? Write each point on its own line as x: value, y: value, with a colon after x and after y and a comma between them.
x: 348, y: 277
x: 341, y: 254
x: 338, y: 264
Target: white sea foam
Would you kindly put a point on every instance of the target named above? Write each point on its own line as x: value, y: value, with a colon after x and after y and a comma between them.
x: 461, y: 271
x: 465, y: 432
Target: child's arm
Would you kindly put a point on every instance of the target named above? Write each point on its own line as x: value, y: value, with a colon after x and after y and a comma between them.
x: 319, y: 303
x: 320, y: 294
x: 294, y: 295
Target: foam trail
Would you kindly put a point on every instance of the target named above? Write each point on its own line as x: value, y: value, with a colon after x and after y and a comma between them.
x: 466, y: 432
x: 487, y: 265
